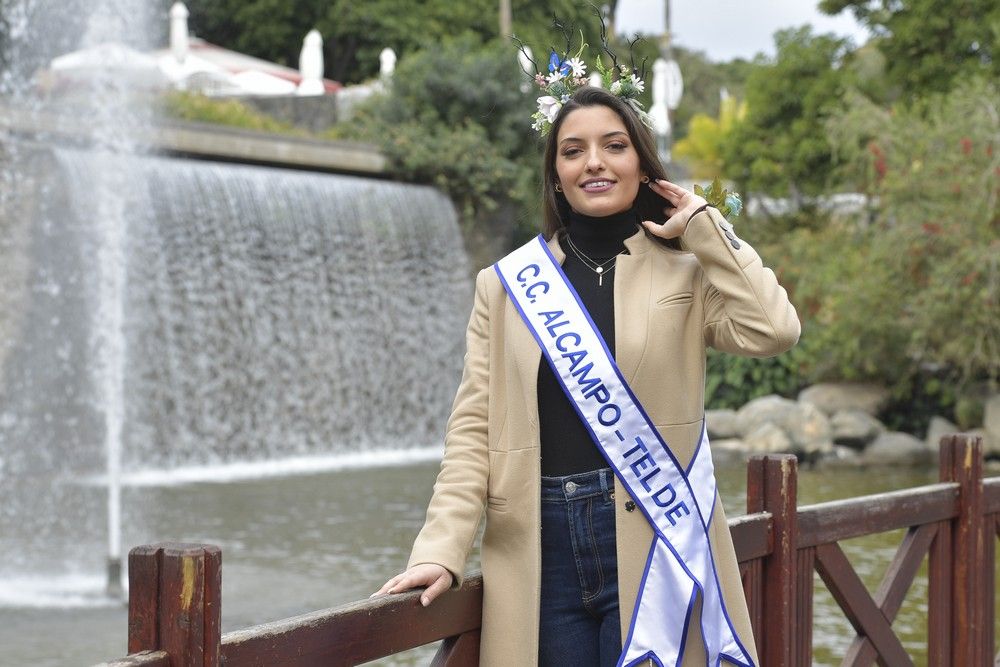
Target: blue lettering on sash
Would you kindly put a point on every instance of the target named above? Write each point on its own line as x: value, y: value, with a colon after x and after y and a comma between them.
x: 530, y: 292
x: 600, y: 392
x: 552, y: 327
x: 675, y: 511
x: 559, y: 340
x: 639, y: 444
x: 612, y: 409
x: 575, y: 358
x: 586, y: 382
x: 644, y: 461
x: 645, y: 480
x: 673, y: 496
x: 520, y: 274
x: 550, y: 315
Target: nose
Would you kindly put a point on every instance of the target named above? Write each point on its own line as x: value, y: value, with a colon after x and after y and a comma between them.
x: 594, y: 161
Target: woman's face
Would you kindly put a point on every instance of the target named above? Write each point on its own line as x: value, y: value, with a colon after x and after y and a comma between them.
x: 596, y: 164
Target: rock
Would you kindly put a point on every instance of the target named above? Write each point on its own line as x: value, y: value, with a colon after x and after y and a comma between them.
x: 854, y: 428
x: 897, y: 448
x: 938, y: 428
x: 809, y: 429
x: 831, y: 397
x: 729, y: 451
x: 991, y: 417
x: 840, y: 457
x: 721, y: 423
x: 771, y: 409
x: 768, y: 439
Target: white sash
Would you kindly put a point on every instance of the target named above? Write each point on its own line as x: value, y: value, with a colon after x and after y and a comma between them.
x: 674, y: 501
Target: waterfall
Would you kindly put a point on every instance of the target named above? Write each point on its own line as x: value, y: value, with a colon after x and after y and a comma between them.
x: 266, y: 314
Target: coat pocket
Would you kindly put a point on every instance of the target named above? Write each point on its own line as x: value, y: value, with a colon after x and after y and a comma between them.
x: 496, y: 503
x: 675, y: 299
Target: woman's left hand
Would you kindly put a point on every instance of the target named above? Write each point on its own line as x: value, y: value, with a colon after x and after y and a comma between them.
x: 681, y: 204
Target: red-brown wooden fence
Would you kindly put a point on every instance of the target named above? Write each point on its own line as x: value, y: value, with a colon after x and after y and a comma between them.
x: 174, y: 589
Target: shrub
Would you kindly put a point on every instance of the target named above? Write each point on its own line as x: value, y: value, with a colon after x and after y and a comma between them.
x: 233, y: 113
x: 455, y: 118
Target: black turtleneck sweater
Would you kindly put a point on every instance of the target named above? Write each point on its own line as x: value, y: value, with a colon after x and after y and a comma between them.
x: 567, y: 448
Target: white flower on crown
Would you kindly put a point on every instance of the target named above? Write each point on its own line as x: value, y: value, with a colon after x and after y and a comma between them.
x: 578, y: 66
x: 616, y: 87
x: 555, y: 76
x: 638, y: 83
x: 549, y: 106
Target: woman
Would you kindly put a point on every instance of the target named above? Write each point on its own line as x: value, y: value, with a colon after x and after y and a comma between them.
x: 662, y: 276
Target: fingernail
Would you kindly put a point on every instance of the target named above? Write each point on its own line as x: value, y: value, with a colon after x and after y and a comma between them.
x: 424, y: 601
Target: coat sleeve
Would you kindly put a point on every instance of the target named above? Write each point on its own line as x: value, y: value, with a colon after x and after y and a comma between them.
x: 746, y: 311
x: 459, y: 497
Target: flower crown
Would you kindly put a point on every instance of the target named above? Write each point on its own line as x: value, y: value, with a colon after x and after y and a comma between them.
x: 568, y: 74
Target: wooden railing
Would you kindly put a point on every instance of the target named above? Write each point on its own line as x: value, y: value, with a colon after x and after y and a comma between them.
x: 174, y: 589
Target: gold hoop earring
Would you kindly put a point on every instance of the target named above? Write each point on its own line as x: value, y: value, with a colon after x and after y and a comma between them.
x: 644, y: 179
x: 558, y: 188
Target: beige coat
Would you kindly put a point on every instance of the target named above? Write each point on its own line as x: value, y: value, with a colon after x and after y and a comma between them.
x: 669, y: 305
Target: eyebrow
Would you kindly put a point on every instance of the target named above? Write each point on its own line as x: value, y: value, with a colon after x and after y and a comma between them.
x: 609, y: 134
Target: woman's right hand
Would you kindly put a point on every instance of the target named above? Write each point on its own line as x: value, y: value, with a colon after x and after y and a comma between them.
x: 436, y: 578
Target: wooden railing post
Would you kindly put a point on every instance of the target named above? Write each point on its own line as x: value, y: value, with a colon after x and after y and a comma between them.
x: 174, y: 602
x: 772, y: 486
x: 962, y: 462
x: 458, y: 651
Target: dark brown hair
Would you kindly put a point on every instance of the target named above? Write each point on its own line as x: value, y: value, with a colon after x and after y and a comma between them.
x: 555, y: 207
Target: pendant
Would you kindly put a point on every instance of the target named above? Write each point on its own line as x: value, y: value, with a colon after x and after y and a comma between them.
x: 600, y: 279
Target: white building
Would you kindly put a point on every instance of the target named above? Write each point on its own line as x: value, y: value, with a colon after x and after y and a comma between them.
x: 193, y: 64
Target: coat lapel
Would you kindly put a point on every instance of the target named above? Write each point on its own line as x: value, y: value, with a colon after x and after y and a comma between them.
x: 632, y: 285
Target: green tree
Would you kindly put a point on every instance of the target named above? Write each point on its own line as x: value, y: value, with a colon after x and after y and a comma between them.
x: 354, y: 33
x: 705, y: 138
x: 780, y: 147
x: 909, y: 298
x: 455, y: 117
x: 703, y: 82
x: 928, y: 43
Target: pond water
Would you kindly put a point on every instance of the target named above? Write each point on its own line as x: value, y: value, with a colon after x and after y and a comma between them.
x: 298, y: 543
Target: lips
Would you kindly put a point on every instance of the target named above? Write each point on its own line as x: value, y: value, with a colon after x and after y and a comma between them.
x: 597, y: 185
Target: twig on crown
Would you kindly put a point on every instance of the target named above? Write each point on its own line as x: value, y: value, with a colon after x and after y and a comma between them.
x: 521, y: 47
x: 604, y: 38
x: 566, y: 30
x: 641, y: 71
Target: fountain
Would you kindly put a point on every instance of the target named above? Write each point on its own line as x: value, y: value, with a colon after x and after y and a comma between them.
x: 167, y: 320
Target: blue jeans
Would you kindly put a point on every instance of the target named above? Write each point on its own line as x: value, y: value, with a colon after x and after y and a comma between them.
x: 579, y: 602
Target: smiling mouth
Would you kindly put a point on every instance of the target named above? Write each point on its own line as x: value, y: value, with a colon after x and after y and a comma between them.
x: 596, y: 186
